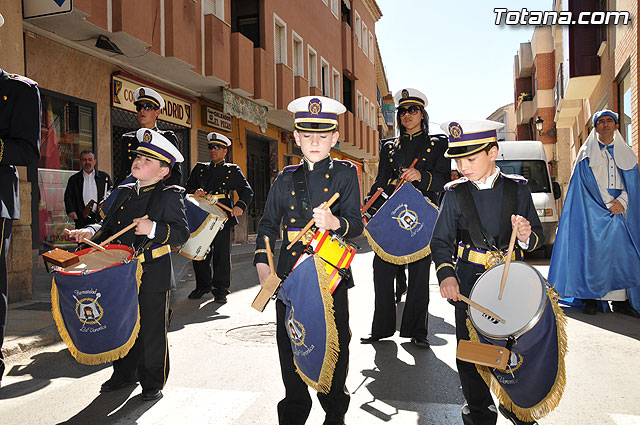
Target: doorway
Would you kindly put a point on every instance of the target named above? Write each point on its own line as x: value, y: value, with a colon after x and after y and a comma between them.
x: 260, y: 151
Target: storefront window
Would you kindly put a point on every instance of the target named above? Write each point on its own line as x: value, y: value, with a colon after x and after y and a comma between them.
x: 68, y: 128
x: 624, y: 107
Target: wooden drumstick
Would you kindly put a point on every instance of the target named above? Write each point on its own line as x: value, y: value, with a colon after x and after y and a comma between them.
x: 312, y: 221
x: 123, y: 231
x: 507, y: 262
x: 371, y: 200
x: 219, y: 204
x: 269, y: 255
x: 481, y: 309
x: 88, y: 241
x: 402, y: 179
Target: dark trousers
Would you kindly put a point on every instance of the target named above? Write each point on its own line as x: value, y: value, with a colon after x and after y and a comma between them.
x: 5, y: 237
x: 414, y: 317
x: 218, y: 279
x: 148, y: 359
x: 294, y: 408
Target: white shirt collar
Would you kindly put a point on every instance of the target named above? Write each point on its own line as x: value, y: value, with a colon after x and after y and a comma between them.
x: 488, y: 184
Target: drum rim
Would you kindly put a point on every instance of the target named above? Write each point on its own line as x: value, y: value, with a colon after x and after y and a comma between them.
x: 221, y: 216
x: 534, y: 320
x: 108, y: 246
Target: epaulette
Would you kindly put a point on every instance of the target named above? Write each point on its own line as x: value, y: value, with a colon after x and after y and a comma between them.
x: 130, y: 134
x: 290, y: 168
x: 175, y: 188
x: 515, y: 177
x: 344, y: 162
x: 23, y: 79
x: 451, y: 185
x: 127, y: 185
x: 440, y: 137
x: 391, y: 143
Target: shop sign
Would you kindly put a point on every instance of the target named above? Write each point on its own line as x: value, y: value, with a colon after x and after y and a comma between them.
x: 219, y: 120
x: 40, y: 8
x: 176, y: 110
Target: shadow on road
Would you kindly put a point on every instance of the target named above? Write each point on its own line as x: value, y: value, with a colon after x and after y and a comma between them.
x: 612, y: 322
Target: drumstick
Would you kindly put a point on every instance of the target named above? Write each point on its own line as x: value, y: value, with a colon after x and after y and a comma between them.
x: 371, y: 200
x: 507, y: 263
x: 481, y: 309
x: 402, y: 179
x: 269, y: 255
x: 121, y: 232
x: 312, y: 221
x: 93, y: 244
x: 219, y: 204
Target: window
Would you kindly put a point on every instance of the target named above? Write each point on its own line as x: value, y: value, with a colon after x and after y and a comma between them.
x: 298, y: 59
x: 67, y: 128
x: 245, y: 17
x: 359, y: 104
x: 325, y: 78
x: 280, y: 40
x: 347, y: 93
x: 214, y: 7
x: 313, y: 67
x: 365, y: 38
x: 371, y: 47
x: 366, y: 111
x: 334, y: 8
x: 374, y: 116
x: 357, y: 29
x: 336, y: 85
x: 624, y: 107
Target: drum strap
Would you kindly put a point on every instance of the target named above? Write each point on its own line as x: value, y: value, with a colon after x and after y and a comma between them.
x: 302, y: 193
x: 479, y: 236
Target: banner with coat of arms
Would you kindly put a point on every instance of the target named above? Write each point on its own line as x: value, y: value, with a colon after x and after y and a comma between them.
x: 97, y: 314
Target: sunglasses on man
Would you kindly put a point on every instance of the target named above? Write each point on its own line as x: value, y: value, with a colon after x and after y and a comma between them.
x: 216, y: 147
x: 412, y: 110
x: 145, y: 106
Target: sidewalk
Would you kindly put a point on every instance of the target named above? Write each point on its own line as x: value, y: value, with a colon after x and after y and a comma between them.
x: 30, y: 323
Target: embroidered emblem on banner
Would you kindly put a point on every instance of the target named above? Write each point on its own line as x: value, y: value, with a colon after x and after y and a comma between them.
x: 88, y: 310
x: 407, y: 219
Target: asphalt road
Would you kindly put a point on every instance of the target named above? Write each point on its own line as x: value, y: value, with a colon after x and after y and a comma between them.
x: 224, y: 369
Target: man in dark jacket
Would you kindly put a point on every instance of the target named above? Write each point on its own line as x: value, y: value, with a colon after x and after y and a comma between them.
x: 85, y: 190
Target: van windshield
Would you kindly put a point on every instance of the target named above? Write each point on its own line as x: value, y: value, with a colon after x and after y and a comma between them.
x: 535, y: 172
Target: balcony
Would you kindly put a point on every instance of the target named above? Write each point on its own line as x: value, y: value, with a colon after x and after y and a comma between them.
x: 263, y: 84
x: 524, y: 60
x: 300, y: 86
x: 242, y: 64
x: 217, y: 41
x: 525, y: 112
x: 284, y: 85
x: 315, y: 91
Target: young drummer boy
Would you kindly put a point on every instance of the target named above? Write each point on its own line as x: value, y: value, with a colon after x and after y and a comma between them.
x: 316, y: 120
x: 148, y: 359
x: 497, y: 201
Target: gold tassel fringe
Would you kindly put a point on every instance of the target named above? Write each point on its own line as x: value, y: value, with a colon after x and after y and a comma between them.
x: 93, y: 359
x: 394, y: 259
x: 332, y: 348
x: 551, y: 400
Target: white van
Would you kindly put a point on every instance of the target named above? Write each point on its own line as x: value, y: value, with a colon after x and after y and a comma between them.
x: 527, y: 158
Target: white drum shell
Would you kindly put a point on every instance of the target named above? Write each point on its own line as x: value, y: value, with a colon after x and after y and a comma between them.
x: 522, y: 304
x: 197, y: 246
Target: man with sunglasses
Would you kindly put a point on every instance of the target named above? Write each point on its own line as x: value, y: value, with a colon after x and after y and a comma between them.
x: 429, y: 175
x: 148, y: 104
x: 218, y: 178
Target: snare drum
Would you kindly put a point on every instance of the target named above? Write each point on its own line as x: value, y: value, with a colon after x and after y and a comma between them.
x: 95, y: 303
x: 205, y: 221
x: 534, y: 330
x: 336, y: 252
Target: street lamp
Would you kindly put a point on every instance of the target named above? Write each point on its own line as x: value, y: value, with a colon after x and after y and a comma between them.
x: 539, y: 122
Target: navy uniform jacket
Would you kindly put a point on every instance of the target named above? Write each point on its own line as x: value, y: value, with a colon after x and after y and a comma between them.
x: 433, y: 166
x: 221, y: 179
x: 73, y: 200
x: 327, y: 177
x: 167, y: 211
x: 20, y: 115
x: 451, y: 226
x: 130, y: 143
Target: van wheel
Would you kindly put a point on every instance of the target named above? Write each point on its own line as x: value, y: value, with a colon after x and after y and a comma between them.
x: 548, y: 249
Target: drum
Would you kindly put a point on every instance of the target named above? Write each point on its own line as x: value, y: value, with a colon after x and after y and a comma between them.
x: 533, y: 381
x: 95, y: 304
x: 400, y: 231
x: 205, y: 220
x: 336, y: 252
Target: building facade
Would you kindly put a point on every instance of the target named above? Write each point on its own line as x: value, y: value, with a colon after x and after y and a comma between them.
x: 221, y: 65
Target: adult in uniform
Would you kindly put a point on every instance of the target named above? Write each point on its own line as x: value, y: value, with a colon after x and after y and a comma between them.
x: 316, y: 120
x: 495, y: 201
x: 20, y: 114
x: 149, y: 104
x: 88, y: 184
x: 429, y: 175
x: 148, y: 359
x: 218, y: 178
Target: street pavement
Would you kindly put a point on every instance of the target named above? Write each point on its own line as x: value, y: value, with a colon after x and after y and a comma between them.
x: 225, y: 370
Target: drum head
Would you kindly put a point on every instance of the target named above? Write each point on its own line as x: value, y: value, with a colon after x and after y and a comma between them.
x: 522, y: 302
x: 98, y: 260
x: 204, y: 205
